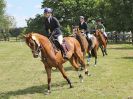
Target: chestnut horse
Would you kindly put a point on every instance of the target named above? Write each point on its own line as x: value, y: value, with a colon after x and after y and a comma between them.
x: 85, y: 45
x: 41, y: 45
x: 102, y: 41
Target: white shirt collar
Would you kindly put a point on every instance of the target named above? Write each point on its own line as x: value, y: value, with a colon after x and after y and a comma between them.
x: 49, y: 18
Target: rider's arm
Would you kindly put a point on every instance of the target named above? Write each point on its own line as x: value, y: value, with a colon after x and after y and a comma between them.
x: 85, y: 26
x: 57, y: 24
x: 46, y: 26
x: 103, y: 28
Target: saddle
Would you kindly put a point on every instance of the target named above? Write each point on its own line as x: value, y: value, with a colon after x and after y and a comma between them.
x: 65, y: 45
x: 58, y: 47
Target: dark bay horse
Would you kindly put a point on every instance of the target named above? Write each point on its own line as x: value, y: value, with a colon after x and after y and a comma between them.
x: 41, y: 45
x: 102, y: 41
x: 85, y: 45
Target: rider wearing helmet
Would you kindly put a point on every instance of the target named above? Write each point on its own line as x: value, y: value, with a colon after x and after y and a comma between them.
x: 83, y: 26
x: 92, y: 26
x: 101, y: 26
x: 52, y: 27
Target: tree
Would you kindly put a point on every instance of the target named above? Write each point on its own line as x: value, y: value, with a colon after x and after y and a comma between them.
x: 35, y: 24
x: 116, y: 14
x: 6, y: 21
x: 70, y: 10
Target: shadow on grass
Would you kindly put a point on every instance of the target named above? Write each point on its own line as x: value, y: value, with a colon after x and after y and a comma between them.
x: 69, y: 68
x: 127, y: 57
x: 122, y: 48
x: 32, y: 90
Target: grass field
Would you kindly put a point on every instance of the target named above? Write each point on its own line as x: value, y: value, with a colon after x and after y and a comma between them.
x: 23, y: 77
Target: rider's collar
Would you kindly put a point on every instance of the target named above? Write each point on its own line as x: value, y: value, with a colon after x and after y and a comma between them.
x: 49, y: 18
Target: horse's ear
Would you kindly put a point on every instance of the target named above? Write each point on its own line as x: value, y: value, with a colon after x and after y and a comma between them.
x: 72, y: 27
x: 24, y: 36
x: 78, y: 29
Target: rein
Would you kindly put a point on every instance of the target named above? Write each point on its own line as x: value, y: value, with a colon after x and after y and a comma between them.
x: 38, y: 49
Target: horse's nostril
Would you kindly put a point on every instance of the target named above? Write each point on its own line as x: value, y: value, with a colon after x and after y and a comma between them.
x: 35, y: 56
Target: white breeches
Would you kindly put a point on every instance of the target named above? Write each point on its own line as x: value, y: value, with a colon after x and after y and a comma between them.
x: 89, y: 36
x: 105, y: 34
x: 60, y: 39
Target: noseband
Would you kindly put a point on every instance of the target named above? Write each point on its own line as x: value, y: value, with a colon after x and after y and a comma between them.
x: 37, y: 49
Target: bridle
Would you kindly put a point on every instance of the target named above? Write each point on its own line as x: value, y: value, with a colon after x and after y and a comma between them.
x: 37, y: 49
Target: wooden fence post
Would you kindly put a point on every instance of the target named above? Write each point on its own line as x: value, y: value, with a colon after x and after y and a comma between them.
x: 132, y: 36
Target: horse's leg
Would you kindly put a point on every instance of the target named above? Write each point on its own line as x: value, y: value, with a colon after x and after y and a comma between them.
x: 102, y: 49
x: 48, y: 71
x: 95, y: 52
x: 61, y: 69
x: 106, y: 48
x: 74, y: 63
x: 89, y: 58
x: 81, y: 58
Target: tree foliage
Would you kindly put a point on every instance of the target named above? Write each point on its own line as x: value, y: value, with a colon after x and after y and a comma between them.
x: 6, y: 21
x: 35, y: 24
x: 116, y: 14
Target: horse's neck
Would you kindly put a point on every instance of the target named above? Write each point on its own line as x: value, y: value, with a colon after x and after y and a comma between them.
x: 83, y: 41
x: 47, y: 48
x: 101, y: 35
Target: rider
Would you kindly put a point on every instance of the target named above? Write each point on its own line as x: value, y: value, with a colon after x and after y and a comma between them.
x: 83, y: 26
x: 92, y: 26
x: 52, y: 27
x: 101, y: 27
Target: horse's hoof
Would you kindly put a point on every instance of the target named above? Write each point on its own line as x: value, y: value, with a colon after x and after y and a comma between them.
x: 94, y: 65
x: 89, y: 74
x: 86, y: 72
x: 81, y: 68
x: 54, y: 68
x: 71, y: 86
x: 88, y: 63
x: 81, y: 80
x: 48, y: 92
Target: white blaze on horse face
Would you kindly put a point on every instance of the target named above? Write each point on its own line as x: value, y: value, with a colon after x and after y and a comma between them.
x: 34, y: 38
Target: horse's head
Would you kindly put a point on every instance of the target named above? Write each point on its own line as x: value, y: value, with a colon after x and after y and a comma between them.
x: 97, y: 33
x: 77, y: 31
x: 32, y: 41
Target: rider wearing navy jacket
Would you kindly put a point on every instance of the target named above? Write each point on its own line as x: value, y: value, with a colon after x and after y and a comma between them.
x: 52, y: 27
x: 83, y: 24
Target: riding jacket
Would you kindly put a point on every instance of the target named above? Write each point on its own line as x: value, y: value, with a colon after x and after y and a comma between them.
x: 52, y: 25
x: 101, y: 27
x: 84, y: 26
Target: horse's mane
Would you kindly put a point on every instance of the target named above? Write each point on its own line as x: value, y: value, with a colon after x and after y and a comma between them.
x: 42, y: 39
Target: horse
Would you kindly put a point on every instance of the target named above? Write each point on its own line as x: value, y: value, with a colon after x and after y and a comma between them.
x: 85, y: 44
x: 41, y: 46
x: 102, y: 41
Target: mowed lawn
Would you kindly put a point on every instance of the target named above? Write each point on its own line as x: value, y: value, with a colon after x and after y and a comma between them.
x: 23, y: 77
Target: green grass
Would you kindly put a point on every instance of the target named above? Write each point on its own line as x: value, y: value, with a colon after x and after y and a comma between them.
x: 23, y: 77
